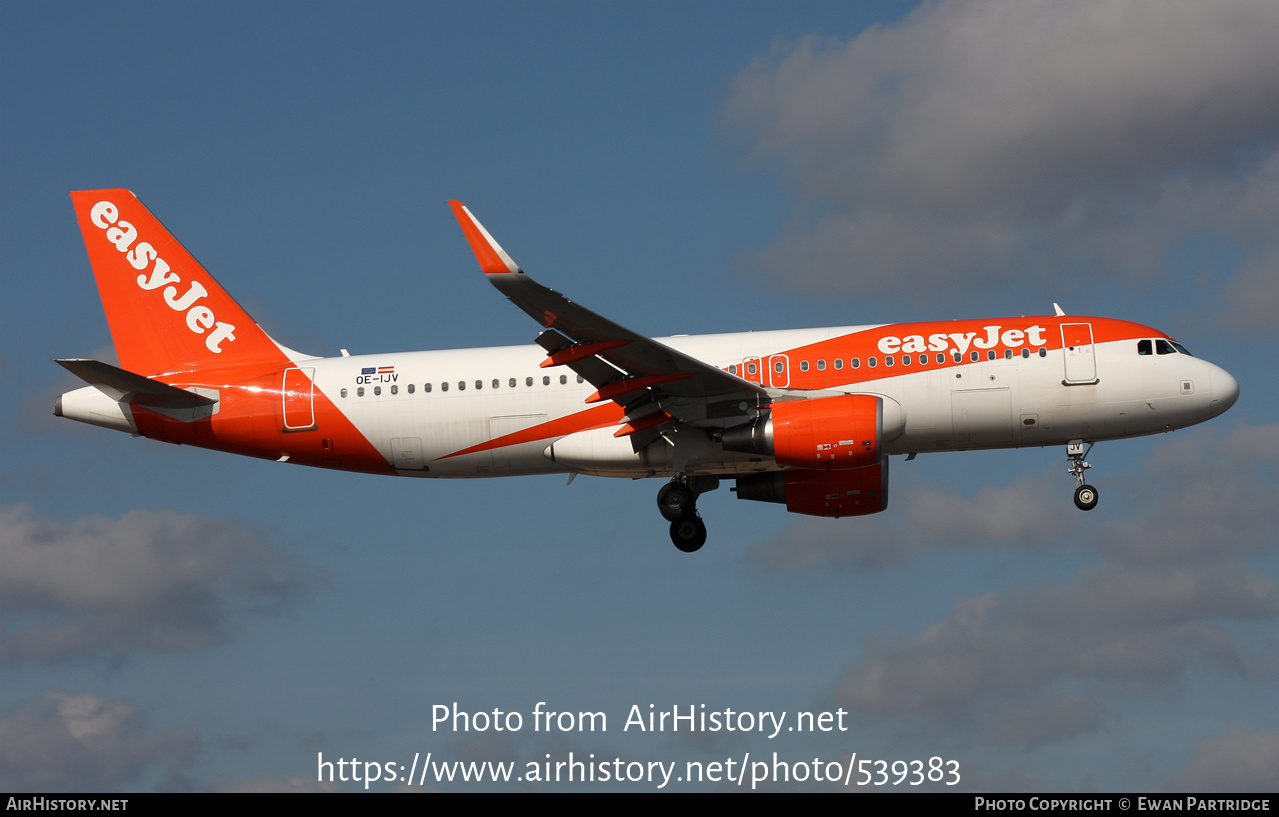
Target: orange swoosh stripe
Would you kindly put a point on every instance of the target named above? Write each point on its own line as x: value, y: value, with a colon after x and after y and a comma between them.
x: 596, y: 417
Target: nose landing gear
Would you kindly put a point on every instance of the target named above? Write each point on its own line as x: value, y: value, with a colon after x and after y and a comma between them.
x: 677, y: 500
x: 1085, y: 495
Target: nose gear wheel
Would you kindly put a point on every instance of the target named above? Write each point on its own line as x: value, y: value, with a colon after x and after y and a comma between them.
x: 1085, y: 495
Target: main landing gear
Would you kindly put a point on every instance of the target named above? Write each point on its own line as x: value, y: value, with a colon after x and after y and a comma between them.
x: 1085, y: 495
x: 678, y: 503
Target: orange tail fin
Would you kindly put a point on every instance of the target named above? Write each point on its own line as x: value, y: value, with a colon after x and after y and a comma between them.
x: 165, y: 311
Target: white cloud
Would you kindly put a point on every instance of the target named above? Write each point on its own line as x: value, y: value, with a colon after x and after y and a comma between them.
x: 149, y: 580
x: 71, y: 742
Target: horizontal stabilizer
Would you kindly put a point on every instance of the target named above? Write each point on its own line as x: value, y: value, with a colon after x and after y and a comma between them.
x: 118, y: 384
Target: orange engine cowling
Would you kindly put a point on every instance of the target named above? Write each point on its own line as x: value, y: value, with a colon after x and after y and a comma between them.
x: 855, y: 492
x: 826, y: 433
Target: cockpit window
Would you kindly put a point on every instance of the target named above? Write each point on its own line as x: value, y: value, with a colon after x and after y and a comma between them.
x: 1182, y: 349
x: 1163, y: 347
x: 1144, y: 347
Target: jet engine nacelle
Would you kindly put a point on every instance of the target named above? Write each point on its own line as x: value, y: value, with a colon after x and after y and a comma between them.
x: 829, y: 433
x: 855, y: 492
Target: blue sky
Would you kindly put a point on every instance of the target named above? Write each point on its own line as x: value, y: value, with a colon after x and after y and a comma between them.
x: 180, y: 619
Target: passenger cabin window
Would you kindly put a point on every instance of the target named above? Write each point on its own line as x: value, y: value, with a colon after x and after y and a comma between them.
x: 377, y: 391
x: 395, y: 390
x: 359, y: 392
x: 411, y: 388
x: 563, y: 379
x: 974, y: 356
x: 821, y: 365
x: 444, y: 386
x: 856, y: 363
x: 496, y: 383
x: 1025, y: 353
x: 1144, y: 347
x: 872, y: 362
x: 528, y: 381
x: 546, y: 380
x: 839, y: 363
x: 803, y: 365
x: 1008, y: 354
x: 427, y: 388
x: 923, y: 360
x: 344, y: 392
x: 888, y: 360
x: 461, y: 385
x: 1043, y: 351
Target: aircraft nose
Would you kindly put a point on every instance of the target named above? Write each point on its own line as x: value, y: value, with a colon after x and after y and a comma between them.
x: 1225, y: 389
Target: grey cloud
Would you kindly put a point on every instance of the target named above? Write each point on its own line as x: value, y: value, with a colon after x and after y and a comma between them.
x: 1207, y: 496
x: 1212, y: 495
x: 1021, y: 516
x: 1240, y: 760
x: 977, y: 140
x: 961, y: 103
x: 1251, y: 298
x: 1035, y: 666
x: 72, y: 742
x: 281, y: 785
x: 150, y: 580
x: 1152, y: 597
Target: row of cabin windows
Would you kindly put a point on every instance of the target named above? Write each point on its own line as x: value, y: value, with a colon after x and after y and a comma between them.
x: 889, y: 360
x: 461, y: 385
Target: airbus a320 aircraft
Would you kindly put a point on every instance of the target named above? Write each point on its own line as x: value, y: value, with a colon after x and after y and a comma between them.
x: 806, y: 417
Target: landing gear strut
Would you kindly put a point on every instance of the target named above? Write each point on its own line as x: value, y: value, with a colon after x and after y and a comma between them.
x: 678, y: 503
x: 1085, y: 495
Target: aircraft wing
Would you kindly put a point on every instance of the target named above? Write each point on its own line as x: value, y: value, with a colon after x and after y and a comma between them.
x: 645, y: 377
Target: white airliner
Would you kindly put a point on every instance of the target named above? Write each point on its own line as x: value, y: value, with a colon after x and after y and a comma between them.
x: 804, y: 417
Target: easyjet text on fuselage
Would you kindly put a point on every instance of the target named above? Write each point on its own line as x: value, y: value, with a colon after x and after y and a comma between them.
x: 960, y: 342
